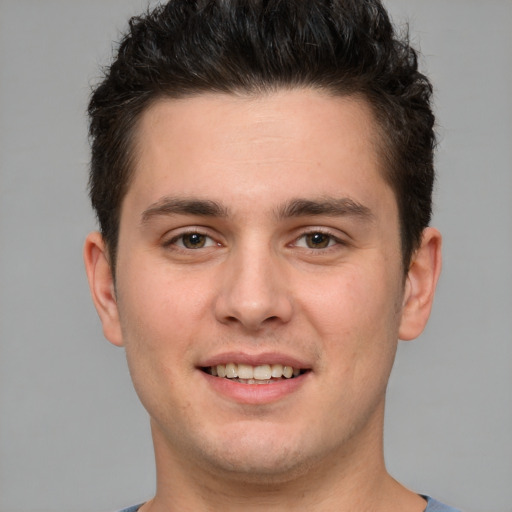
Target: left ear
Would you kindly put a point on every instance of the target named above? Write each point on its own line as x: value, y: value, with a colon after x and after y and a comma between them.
x: 420, y: 285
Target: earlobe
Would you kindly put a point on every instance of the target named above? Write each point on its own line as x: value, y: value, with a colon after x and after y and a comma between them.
x: 101, y: 284
x: 420, y: 285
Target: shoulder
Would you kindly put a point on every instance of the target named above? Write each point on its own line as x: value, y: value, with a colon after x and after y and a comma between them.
x: 133, y: 508
x: 436, y: 506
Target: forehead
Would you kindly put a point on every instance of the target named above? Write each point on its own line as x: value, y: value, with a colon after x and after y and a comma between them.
x: 257, y: 148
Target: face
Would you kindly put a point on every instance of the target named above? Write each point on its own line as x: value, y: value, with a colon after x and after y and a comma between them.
x: 258, y: 239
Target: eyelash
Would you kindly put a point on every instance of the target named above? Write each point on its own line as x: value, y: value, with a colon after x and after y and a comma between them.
x: 182, y: 247
x: 332, y: 243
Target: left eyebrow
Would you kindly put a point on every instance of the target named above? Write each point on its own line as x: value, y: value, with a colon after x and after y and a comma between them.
x: 328, y: 206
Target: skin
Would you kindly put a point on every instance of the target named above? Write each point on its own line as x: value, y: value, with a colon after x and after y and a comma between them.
x: 262, y: 285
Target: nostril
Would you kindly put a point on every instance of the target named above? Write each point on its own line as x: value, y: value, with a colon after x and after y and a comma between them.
x: 251, y: 306
x: 252, y: 323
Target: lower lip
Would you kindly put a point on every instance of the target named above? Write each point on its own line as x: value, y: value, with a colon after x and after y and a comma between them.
x: 255, y: 393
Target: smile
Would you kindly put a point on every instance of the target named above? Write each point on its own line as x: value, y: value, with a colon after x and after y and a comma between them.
x: 248, y: 374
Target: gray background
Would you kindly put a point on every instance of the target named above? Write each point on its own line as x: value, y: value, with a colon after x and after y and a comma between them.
x: 72, y: 434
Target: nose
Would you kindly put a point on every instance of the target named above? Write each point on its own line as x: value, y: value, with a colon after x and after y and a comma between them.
x: 254, y: 292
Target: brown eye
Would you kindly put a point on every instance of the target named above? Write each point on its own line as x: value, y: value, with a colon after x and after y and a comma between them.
x: 194, y: 240
x: 317, y: 240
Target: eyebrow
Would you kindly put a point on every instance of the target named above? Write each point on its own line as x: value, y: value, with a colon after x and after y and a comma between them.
x: 180, y: 206
x: 328, y: 206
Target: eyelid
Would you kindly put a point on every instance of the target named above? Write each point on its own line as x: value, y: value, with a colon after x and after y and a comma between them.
x: 169, y: 240
x: 336, y: 238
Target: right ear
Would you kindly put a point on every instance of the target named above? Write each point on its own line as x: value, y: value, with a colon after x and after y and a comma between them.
x: 101, y: 283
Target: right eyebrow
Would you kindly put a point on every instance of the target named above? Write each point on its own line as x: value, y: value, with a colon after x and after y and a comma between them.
x: 180, y: 206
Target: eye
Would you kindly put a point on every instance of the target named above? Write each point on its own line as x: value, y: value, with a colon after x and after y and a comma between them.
x: 316, y: 240
x: 192, y: 241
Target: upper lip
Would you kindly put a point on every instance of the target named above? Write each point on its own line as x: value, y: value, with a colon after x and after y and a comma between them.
x: 255, y: 359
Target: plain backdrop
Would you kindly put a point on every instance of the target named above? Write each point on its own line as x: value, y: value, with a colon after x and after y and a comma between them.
x: 73, y: 436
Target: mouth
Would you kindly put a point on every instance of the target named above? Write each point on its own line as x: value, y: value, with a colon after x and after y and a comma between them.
x: 248, y: 374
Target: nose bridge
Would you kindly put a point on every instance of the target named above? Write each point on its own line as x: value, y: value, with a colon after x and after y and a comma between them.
x: 254, y: 291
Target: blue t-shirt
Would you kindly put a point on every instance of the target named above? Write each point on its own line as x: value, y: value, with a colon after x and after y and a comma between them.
x: 435, y: 506
x: 432, y: 506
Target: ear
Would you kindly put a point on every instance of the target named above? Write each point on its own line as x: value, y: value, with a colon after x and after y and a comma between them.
x: 101, y: 283
x: 420, y: 285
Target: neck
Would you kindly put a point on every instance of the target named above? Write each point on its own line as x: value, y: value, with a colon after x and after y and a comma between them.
x: 345, y: 480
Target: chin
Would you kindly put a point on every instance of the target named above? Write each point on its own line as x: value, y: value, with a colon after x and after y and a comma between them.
x: 262, y: 471
x: 261, y: 458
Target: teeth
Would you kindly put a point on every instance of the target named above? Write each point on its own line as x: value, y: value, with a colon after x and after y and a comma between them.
x: 231, y: 371
x: 277, y: 370
x: 287, y: 371
x: 262, y: 372
x: 246, y: 372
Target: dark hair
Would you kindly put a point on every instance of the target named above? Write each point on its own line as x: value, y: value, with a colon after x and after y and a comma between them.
x: 343, y: 47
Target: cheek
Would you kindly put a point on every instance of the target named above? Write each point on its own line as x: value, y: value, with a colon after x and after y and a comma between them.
x: 355, y: 321
x: 353, y: 299
x: 159, y: 305
x: 158, y: 335
x: 356, y: 316
x: 157, y: 328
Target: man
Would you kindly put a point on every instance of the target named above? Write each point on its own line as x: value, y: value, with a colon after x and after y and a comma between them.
x: 262, y: 174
